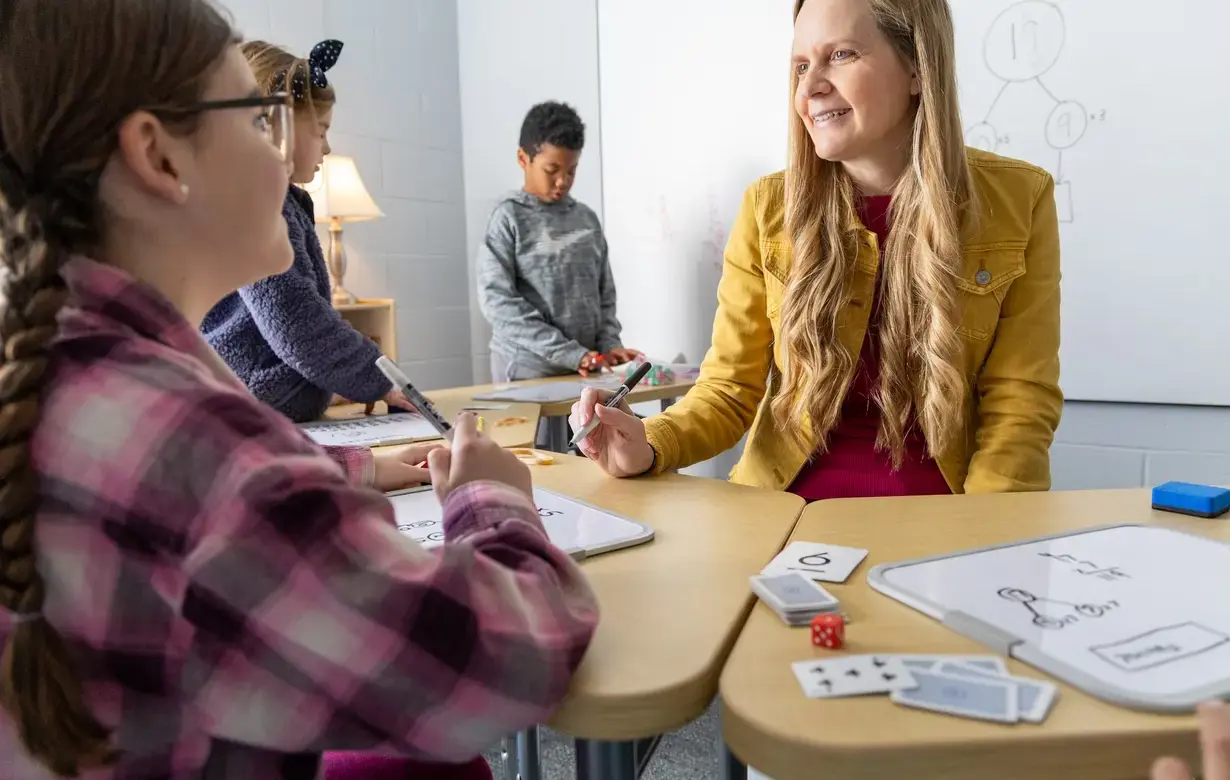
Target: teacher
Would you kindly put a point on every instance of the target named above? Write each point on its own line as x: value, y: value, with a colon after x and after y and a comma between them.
x: 888, y: 313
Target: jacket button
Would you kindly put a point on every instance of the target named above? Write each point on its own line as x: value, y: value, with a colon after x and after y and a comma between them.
x: 983, y: 278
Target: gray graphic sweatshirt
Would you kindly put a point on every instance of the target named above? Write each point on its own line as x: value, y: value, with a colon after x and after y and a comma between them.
x: 545, y: 286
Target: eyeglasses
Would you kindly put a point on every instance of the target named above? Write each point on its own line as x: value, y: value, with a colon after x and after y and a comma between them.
x: 275, y: 122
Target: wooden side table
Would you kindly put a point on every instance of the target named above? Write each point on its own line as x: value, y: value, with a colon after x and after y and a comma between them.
x: 375, y: 318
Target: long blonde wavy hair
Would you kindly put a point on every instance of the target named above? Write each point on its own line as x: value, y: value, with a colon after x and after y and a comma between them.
x: 919, y: 347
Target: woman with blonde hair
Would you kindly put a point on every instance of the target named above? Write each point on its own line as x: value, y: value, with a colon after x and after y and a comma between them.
x: 888, y: 314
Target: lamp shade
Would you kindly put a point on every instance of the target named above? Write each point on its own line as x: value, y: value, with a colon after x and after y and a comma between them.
x: 338, y: 193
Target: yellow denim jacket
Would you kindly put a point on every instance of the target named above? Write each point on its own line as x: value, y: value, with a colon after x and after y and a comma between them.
x: 1009, y: 294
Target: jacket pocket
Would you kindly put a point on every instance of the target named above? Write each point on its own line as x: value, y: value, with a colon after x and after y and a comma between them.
x: 774, y: 258
x: 984, y: 281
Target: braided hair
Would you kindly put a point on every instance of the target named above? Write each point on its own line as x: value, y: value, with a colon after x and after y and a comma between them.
x: 71, y: 73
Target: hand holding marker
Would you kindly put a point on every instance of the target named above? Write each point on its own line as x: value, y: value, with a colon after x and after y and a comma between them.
x: 417, y: 399
x: 613, y: 401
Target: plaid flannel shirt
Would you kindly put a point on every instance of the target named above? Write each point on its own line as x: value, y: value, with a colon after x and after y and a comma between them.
x: 237, y: 603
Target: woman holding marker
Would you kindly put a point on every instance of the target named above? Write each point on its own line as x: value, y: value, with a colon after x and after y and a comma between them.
x: 888, y: 313
x: 189, y: 587
x: 281, y: 335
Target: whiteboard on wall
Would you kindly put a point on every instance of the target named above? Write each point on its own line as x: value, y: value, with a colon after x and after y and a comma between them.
x: 1119, y: 101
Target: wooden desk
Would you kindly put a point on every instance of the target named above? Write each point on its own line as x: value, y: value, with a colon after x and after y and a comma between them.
x: 556, y: 413
x: 769, y: 724
x: 520, y: 433
x: 671, y: 608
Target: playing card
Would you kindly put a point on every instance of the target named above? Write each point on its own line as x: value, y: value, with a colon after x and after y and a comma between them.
x: 852, y: 675
x: 988, y: 663
x: 827, y: 562
x: 1033, y: 697
x: 965, y: 696
x: 792, y: 592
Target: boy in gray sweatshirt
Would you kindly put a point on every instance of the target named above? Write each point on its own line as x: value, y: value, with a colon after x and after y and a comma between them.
x: 544, y: 281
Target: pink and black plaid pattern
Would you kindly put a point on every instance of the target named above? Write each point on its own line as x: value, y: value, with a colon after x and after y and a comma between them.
x: 240, y: 601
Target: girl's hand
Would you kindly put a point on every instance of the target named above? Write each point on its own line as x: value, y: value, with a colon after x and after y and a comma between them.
x: 473, y: 457
x: 1214, y: 746
x: 399, y: 469
x: 398, y: 399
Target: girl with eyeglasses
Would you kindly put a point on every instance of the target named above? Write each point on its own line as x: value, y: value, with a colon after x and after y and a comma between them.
x: 189, y: 587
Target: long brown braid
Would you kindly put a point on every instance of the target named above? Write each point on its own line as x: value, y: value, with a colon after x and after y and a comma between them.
x: 70, y: 74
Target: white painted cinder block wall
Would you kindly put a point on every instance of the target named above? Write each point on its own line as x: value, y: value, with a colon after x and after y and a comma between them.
x: 399, y: 116
x: 514, y: 54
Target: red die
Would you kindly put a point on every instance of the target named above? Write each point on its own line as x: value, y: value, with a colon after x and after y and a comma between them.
x: 828, y: 631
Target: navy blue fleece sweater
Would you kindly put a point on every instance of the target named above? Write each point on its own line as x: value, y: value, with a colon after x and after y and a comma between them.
x: 285, y: 340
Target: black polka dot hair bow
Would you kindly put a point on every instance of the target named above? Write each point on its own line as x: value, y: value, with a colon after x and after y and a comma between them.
x: 323, y: 57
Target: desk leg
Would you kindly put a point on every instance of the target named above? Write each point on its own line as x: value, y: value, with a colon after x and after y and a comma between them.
x: 667, y: 403
x: 529, y: 762
x: 558, y: 434
x: 598, y: 760
x: 732, y: 767
x: 508, y: 759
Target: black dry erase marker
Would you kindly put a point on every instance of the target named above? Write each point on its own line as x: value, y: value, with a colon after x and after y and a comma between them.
x: 416, y: 399
x: 613, y: 401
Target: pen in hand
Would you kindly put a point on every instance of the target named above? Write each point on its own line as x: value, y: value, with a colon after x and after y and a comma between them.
x: 613, y: 401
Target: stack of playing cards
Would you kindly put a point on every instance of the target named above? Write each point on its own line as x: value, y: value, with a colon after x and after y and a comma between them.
x: 794, y: 597
x: 976, y: 687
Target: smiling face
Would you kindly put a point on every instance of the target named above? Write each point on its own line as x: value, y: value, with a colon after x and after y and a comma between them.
x: 855, y: 95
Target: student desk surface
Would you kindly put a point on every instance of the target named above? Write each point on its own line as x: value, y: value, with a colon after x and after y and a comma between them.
x: 520, y: 433
x: 769, y: 724
x: 671, y: 608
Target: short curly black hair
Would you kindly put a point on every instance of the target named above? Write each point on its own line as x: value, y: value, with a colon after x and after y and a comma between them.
x: 552, y: 123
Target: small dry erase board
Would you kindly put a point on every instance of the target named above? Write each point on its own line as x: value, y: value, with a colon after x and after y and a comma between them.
x: 377, y: 431
x: 1186, y: 498
x: 1133, y: 615
x: 574, y: 526
x: 549, y: 392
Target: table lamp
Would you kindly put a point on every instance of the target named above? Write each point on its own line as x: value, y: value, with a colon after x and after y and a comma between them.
x: 339, y: 196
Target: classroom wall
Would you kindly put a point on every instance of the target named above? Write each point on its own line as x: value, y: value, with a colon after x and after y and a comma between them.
x: 399, y: 116
x: 1102, y: 445
x: 513, y: 55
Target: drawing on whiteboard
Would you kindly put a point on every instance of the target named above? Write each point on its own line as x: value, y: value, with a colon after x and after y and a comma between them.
x: 1049, y: 613
x: 1021, y: 45
x: 1089, y: 568
x: 1160, y: 646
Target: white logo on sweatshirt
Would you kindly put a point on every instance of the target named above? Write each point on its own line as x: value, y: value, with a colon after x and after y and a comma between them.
x: 552, y: 245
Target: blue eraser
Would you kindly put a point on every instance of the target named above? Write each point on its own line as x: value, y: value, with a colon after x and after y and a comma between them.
x: 1189, y: 499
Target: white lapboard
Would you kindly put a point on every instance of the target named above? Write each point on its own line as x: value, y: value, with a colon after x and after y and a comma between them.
x: 548, y: 393
x: 375, y: 431
x: 1055, y: 83
x: 574, y: 526
x: 1134, y: 615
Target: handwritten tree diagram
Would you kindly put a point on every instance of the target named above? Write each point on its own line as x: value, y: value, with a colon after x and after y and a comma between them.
x: 1022, y: 44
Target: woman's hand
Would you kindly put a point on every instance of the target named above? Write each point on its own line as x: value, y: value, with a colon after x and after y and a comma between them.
x: 473, y: 457
x: 401, y: 468
x: 618, y: 444
x: 1214, y: 745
